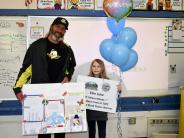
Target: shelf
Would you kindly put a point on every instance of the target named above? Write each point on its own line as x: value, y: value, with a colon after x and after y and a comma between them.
x: 88, y: 13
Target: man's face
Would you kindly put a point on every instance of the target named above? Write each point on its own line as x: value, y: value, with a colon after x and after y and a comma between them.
x: 57, y: 31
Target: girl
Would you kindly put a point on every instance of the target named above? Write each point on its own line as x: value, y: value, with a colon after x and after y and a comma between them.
x: 97, y: 69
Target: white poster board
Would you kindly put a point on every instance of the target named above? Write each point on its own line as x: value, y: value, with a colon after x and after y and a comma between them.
x: 54, y: 108
x: 100, y: 93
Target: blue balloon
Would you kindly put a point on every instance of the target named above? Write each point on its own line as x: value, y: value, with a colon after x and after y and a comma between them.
x: 114, y: 38
x: 106, y: 48
x: 127, y: 36
x: 114, y: 26
x: 120, y: 55
x: 132, y: 61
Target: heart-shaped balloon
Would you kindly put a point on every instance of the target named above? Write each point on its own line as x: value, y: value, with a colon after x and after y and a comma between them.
x: 117, y: 9
x: 106, y: 47
x: 120, y: 55
x: 127, y: 36
x: 114, y: 26
x: 132, y: 61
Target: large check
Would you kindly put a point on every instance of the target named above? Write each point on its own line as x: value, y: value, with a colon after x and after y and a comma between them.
x: 100, y: 93
x: 54, y: 108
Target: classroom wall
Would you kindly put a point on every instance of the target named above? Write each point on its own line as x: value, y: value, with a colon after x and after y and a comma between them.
x: 10, y: 126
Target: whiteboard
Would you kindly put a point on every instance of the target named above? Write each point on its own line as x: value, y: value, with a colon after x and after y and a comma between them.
x: 86, y: 33
x: 12, y: 49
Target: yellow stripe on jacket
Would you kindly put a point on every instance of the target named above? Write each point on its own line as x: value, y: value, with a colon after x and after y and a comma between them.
x: 24, y: 77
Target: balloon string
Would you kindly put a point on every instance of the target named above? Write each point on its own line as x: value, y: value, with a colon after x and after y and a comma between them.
x: 120, y: 82
x: 119, y: 121
x: 120, y: 75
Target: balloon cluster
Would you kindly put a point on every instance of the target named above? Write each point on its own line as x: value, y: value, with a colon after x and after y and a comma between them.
x: 118, y: 50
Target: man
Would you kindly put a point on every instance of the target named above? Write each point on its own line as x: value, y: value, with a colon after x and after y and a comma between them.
x: 47, y: 60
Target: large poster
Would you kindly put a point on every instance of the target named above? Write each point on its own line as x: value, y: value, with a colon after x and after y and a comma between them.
x: 54, y: 108
x: 100, y: 93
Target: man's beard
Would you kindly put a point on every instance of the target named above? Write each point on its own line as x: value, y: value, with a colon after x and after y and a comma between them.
x: 57, y: 37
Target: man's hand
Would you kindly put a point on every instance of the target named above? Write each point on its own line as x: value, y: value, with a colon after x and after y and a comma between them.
x: 20, y: 96
x: 65, y: 80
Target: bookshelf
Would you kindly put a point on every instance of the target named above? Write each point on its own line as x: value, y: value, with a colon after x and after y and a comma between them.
x: 88, y: 13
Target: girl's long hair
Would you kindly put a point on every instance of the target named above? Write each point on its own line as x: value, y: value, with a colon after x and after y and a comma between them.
x: 103, y: 73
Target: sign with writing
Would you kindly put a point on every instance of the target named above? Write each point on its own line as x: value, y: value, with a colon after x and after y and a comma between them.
x: 59, y: 108
x: 37, y: 32
x: 51, y: 4
x: 100, y: 93
x: 81, y: 4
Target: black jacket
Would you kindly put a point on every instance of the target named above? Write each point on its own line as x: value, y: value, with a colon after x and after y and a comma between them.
x: 35, y: 66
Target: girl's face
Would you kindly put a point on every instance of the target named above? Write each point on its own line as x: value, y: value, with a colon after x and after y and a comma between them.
x: 96, y: 69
